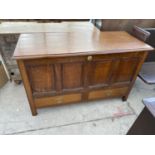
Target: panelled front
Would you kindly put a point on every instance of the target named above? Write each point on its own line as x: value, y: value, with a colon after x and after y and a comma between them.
x: 111, y: 70
x: 111, y: 75
x: 79, y: 75
x: 55, y: 76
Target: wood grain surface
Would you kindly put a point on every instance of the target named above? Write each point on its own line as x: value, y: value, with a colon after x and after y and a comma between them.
x: 43, y: 45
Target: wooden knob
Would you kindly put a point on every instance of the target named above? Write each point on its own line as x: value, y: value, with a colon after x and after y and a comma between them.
x: 89, y: 58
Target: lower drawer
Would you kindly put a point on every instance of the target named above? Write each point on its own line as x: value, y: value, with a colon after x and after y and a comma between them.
x: 56, y: 100
x: 107, y: 93
x: 77, y: 97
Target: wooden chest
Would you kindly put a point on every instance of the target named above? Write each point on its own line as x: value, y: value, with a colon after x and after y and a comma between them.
x: 59, y: 68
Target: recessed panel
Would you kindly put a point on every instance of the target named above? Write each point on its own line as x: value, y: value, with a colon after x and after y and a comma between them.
x: 100, y: 73
x: 41, y: 78
x: 72, y: 75
x: 126, y: 69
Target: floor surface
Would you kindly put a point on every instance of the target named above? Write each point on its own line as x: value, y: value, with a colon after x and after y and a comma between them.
x: 110, y: 116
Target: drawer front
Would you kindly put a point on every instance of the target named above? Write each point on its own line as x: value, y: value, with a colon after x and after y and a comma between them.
x: 107, y: 93
x: 57, y: 100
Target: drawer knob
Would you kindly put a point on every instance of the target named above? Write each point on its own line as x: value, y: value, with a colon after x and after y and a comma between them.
x: 89, y: 58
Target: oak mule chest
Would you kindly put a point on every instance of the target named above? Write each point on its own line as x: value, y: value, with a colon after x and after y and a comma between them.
x: 67, y: 67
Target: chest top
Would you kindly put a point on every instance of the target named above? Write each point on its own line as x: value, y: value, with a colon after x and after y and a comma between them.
x: 55, y: 44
